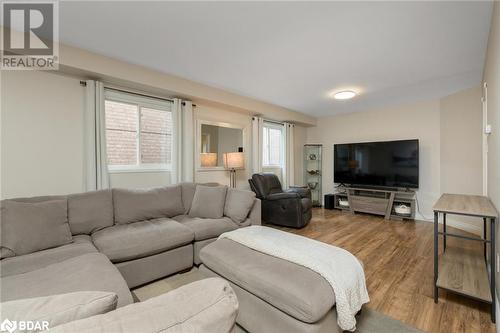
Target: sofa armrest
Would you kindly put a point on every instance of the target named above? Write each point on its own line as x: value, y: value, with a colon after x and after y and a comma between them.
x: 255, y: 215
x: 208, y: 305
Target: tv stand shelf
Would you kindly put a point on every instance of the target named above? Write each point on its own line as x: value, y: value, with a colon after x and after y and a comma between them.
x: 376, y: 201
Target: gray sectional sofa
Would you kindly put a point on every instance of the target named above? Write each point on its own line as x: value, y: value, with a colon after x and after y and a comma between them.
x: 112, y: 240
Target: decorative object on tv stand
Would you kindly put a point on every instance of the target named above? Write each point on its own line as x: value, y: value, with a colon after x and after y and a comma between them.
x: 312, y: 171
x: 208, y: 159
x: 402, y: 209
x: 343, y: 202
x: 232, y: 162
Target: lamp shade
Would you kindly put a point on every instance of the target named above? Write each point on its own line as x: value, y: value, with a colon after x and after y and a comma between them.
x: 234, y: 160
x: 208, y: 159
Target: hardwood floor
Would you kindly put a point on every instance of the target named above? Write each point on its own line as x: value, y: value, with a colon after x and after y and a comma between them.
x: 398, y: 261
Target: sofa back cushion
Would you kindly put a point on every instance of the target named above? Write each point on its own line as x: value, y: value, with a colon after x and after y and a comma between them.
x: 188, y: 190
x: 145, y: 204
x: 90, y: 211
x: 28, y: 227
x: 208, y: 202
x: 238, y: 204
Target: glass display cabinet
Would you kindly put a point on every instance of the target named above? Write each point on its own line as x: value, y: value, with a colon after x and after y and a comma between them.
x: 313, y: 171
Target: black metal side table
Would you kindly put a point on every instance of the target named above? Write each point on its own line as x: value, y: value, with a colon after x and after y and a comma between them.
x: 459, y: 270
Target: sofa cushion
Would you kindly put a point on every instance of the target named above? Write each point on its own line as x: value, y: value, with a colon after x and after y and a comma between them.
x: 238, y: 204
x: 140, y: 239
x: 208, y: 202
x: 188, y: 190
x: 5, y: 252
x: 145, y: 204
x: 59, y: 309
x: 29, y: 227
x: 268, y: 278
x: 30, y: 262
x: 206, y: 228
x: 208, y: 306
x: 91, y: 271
x: 90, y: 211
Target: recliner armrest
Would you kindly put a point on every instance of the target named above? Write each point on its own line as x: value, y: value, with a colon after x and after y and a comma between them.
x: 304, y: 191
x: 282, y: 195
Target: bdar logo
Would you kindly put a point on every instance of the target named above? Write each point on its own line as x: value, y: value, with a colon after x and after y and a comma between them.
x: 8, y: 326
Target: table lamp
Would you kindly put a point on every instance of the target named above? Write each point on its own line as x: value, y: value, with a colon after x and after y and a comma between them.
x: 208, y: 159
x: 232, y: 162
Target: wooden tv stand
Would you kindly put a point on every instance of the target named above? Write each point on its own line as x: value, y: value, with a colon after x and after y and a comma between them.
x: 376, y: 201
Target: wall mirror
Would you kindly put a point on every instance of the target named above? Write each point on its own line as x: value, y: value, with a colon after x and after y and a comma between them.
x: 214, y: 140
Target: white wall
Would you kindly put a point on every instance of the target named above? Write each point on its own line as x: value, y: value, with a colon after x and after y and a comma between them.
x: 461, y: 149
x: 418, y: 121
x: 42, y: 138
x: 42, y: 134
x: 449, y: 133
x: 492, y: 78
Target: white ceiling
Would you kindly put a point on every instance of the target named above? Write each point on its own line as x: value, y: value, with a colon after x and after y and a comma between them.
x: 293, y: 54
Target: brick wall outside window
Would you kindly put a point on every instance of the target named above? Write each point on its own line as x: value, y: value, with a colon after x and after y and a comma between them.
x: 134, y: 141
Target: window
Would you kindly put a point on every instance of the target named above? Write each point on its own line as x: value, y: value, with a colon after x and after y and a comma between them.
x: 272, y: 145
x: 138, y: 132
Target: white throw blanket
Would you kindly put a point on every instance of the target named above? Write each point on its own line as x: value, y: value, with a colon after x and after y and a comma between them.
x: 339, y: 267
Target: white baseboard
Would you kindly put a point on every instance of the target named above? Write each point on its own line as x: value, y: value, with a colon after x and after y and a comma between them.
x: 472, y: 228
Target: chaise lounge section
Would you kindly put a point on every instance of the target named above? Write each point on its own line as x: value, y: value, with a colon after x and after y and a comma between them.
x: 269, y: 300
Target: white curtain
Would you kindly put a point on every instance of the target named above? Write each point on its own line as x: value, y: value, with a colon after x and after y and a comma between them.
x: 96, y: 169
x: 257, y: 134
x: 289, y: 161
x: 183, y: 142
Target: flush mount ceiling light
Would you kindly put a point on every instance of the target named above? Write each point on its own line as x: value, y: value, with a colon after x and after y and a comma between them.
x: 345, y: 94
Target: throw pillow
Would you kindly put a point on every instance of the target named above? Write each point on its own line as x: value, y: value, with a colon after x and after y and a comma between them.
x: 238, y: 204
x: 208, y: 202
x: 208, y: 306
x: 59, y: 309
x: 30, y: 227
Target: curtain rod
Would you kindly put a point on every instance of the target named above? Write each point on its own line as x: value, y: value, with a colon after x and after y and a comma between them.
x: 83, y: 83
x: 274, y: 121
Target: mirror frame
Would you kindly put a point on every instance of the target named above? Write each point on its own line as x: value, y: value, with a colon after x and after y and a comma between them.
x: 197, y: 150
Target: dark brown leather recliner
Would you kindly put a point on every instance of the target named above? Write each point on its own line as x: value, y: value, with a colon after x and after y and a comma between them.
x: 291, y: 208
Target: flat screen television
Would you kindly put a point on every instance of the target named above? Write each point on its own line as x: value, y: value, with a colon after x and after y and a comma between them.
x: 377, y: 164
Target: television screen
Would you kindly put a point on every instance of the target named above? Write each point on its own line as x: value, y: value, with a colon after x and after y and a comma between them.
x: 384, y: 164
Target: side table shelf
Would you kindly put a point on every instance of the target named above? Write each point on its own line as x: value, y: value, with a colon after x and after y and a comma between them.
x: 459, y: 270
x: 464, y: 272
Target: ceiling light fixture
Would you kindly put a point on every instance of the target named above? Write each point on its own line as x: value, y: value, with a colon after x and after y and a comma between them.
x: 346, y: 94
